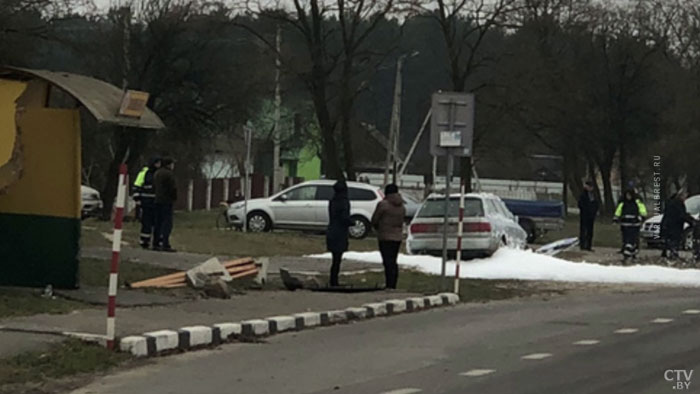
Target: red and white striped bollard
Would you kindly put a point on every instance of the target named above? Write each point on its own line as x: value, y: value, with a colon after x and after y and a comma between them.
x: 460, y: 230
x: 116, y: 248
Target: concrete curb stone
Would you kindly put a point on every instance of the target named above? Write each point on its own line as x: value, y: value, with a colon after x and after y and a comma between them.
x: 191, y: 337
x: 376, y: 309
x: 255, y: 328
x: 281, y: 324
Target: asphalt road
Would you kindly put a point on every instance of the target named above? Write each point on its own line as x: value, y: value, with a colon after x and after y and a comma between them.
x: 524, y: 346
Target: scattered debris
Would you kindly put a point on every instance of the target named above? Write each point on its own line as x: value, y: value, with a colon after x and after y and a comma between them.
x: 48, y: 292
x: 556, y: 247
x: 198, y: 276
x: 217, y: 288
x: 239, y: 268
x: 292, y: 283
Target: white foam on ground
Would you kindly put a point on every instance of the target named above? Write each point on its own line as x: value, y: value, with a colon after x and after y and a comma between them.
x: 509, y: 263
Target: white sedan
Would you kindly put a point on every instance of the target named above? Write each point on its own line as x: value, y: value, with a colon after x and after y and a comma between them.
x: 487, y: 225
x: 90, y: 201
x: 305, y: 207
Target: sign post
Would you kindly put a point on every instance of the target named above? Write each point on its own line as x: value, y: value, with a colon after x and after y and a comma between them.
x: 248, y: 137
x: 460, y: 228
x: 451, y: 134
x: 116, y: 249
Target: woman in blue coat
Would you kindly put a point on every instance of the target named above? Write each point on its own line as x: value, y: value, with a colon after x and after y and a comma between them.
x: 338, y: 228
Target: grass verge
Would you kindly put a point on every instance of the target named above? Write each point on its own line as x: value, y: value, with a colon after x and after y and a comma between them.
x: 95, y: 272
x: 605, y: 232
x: 196, y: 232
x: 57, y: 368
x: 471, y: 290
x: 15, y: 302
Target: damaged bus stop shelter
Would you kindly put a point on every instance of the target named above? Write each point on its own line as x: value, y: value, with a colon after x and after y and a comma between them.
x: 40, y: 169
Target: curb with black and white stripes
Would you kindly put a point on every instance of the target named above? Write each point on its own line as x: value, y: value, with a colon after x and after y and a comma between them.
x: 193, y: 337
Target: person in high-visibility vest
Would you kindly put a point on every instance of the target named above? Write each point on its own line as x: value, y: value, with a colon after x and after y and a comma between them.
x: 630, y: 213
x: 144, y: 194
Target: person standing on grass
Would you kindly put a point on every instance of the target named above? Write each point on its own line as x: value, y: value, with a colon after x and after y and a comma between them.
x: 675, y: 216
x: 629, y: 213
x: 388, y: 221
x: 338, y: 228
x: 145, y: 192
x: 588, y: 206
x: 166, y: 195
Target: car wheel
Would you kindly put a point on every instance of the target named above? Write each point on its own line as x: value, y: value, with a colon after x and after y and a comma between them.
x: 359, y: 228
x: 688, y: 239
x: 259, y: 222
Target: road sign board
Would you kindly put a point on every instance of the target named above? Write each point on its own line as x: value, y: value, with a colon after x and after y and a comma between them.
x: 452, y: 124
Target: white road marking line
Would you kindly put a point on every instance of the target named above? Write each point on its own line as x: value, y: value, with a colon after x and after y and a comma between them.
x: 477, y: 372
x: 536, y: 356
x: 661, y: 320
x: 403, y: 391
x: 587, y: 342
x: 691, y: 312
x: 626, y: 331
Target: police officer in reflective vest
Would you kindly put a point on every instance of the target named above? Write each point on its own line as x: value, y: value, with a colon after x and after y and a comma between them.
x: 144, y: 195
x: 629, y: 213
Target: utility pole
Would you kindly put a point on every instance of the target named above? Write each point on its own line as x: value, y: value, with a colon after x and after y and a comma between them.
x: 276, y: 181
x: 396, y: 117
x: 407, y: 159
x: 126, y: 38
x: 392, y: 147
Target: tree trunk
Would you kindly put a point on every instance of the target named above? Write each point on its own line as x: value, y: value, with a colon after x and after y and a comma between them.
x: 592, y: 177
x: 129, y: 147
x: 330, y: 152
x: 347, y: 149
x: 346, y: 103
x: 624, y: 179
x: 465, y: 172
x: 609, y: 206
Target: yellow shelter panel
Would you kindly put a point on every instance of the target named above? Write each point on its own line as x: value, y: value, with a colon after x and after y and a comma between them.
x: 50, y: 180
x: 9, y: 92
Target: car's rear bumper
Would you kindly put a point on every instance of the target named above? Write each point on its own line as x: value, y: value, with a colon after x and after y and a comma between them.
x: 548, y: 224
x: 433, y: 245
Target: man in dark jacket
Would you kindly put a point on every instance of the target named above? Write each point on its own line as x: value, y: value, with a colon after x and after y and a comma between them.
x: 388, y: 221
x: 166, y: 194
x: 675, y: 216
x: 145, y: 196
x: 338, y: 228
x: 588, y: 206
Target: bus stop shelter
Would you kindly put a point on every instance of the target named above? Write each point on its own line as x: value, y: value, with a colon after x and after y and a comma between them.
x: 40, y: 169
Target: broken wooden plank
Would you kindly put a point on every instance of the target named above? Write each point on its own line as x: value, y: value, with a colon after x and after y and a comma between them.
x: 254, y: 271
x: 241, y: 261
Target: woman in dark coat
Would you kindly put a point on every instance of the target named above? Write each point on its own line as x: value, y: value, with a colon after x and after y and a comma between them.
x: 338, y: 227
x: 675, y: 216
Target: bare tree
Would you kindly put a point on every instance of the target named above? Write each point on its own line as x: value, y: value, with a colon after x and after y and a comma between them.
x: 334, y: 35
x: 464, y: 25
